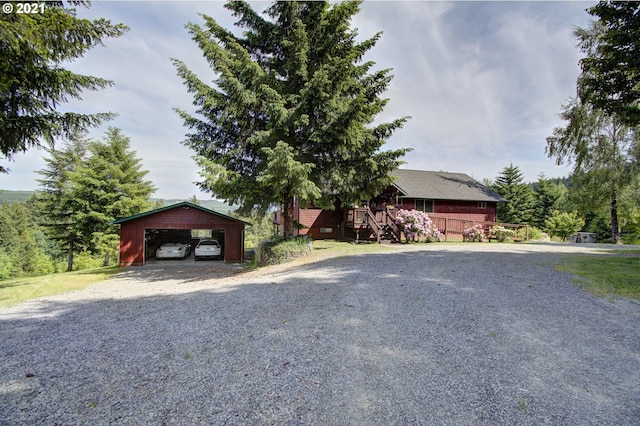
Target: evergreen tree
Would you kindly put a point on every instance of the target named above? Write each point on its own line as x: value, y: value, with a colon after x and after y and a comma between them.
x: 107, y: 186
x: 32, y: 81
x: 520, y: 204
x: 611, y: 68
x: 291, y: 112
x: 85, y: 186
x: 18, y: 244
x: 629, y: 203
x: 56, y: 201
x: 550, y: 196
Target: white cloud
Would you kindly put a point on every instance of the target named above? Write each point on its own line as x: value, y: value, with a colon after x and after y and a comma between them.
x: 483, y: 82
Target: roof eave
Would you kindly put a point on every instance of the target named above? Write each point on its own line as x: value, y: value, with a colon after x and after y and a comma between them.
x: 173, y: 206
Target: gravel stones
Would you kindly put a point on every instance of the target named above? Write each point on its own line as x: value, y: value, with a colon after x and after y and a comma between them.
x: 425, y: 334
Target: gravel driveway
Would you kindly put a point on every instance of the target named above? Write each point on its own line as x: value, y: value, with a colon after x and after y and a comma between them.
x: 476, y: 334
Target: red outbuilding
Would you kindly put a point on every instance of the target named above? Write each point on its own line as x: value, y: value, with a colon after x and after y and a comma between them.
x: 142, y: 234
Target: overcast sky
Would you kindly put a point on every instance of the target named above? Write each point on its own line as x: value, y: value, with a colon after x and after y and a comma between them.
x: 483, y: 82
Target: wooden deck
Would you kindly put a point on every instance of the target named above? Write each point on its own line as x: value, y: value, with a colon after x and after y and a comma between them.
x: 382, y: 225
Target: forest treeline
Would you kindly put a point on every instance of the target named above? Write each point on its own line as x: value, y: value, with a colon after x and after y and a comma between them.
x: 65, y: 224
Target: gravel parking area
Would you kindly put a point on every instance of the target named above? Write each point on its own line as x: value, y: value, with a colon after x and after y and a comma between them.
x: 475, y: 334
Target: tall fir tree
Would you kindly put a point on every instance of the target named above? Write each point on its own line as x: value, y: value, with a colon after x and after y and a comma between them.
x: 33, y: 83
x: 291, y: 113
x: 549, y: 196
x: 108, y: 185
x: 56, y: 202
x: 85, y: 186
x: 520, y: 204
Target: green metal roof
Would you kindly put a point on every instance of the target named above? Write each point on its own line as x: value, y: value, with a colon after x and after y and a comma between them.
x: 173, y: 206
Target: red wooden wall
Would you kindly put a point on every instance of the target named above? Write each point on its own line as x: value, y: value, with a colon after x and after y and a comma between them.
x: 181, y: 217
x: 320, y: 223
x: 315, y: 219
x: 457, y: 209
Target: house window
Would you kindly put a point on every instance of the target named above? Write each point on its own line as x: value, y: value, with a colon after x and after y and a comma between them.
x: 424, y: 205
x: 482, y: 205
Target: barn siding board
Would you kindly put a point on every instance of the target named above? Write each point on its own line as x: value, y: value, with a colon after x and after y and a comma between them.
x: 466, y: 210
x: 317, y: 220
x: 234, y: 252
x: 131, y: 245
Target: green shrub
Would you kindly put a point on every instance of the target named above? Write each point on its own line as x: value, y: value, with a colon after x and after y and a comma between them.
x: 7, y: 268
x: 564, y: 224
x: 534, y: 233
x: 40, y: 264
x: 60, y: 266
x: 278, y: 251
x: 501, y: 233
x: 630, y: 239
x: 85, y: 260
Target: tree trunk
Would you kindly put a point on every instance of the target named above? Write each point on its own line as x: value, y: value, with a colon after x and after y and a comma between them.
x: 287, y: 218
x: 106, y: 260
x: 70, y: 258
x: 615, y: 231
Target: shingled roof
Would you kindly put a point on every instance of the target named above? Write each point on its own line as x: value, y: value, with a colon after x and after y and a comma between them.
x: 442, y: 186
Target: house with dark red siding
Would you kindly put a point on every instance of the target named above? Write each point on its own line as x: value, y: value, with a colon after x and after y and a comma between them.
x: 452, y: 200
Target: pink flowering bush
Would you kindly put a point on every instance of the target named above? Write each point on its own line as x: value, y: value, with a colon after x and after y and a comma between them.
x: 475, y: 233
x: 414, y: 223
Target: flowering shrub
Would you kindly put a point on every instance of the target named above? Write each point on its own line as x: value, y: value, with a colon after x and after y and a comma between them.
x: 475, y: 233
x: 434, y: 235
x: 501, y: 233
x: 413, y: 223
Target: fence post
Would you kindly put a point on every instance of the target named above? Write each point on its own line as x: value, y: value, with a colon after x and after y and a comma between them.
x: 446, y: 233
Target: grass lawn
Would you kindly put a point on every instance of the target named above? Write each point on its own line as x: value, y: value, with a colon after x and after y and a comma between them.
x: 342, y: 248
x: 612, y: 274
x: 20, y: 289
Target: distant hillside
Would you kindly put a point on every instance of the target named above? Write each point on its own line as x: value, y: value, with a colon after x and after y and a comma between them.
x: 13, y: 196
x: 215, y: 205
x: 219, y: 206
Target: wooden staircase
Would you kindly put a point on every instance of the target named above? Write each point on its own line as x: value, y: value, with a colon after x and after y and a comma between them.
x: 385, y: 232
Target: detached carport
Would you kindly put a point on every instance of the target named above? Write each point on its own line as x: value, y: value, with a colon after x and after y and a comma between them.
x: 177, y: 219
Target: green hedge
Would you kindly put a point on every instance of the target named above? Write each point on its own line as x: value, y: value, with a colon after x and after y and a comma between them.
x: 278, y: 251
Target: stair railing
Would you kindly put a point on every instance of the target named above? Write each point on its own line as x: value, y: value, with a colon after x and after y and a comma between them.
x: 373, y: 224
x: 391, y: 223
